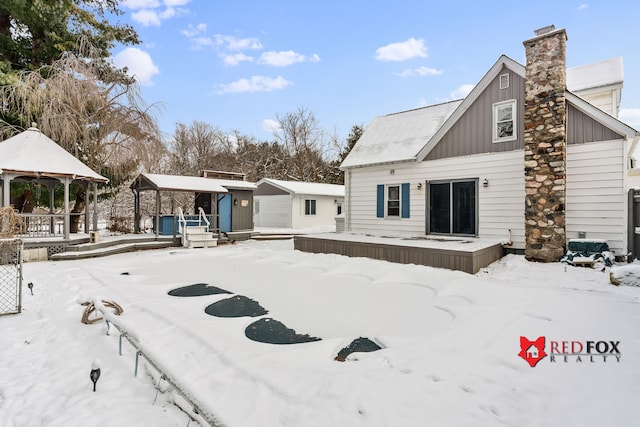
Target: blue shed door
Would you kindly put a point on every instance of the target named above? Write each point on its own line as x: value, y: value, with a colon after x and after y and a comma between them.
x: 224, y: 206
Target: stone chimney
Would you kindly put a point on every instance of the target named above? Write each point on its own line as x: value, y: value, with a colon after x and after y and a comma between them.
x: 545, y: 145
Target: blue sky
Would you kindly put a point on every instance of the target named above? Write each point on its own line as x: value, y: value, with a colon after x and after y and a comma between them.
x: 237, y: 64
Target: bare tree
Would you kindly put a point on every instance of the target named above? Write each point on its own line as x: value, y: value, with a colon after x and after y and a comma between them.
x: 102, y: 124
x: 195, y: 147
x: 304, y: 140
x: 90, y: 111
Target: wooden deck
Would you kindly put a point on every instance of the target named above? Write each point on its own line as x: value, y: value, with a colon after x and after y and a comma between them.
x: 441, y: 253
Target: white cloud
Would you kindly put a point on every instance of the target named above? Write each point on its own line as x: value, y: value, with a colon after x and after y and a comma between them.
x: 254, y: 84
x: 630, y: 116
x: 235, y: 43
x: 139, y: 64
x: 583, y: 6
x: 419, y: 72
x: 151, y: 12
x: 201, y: 42
x: 194, y: 30
x: 235, y: 59
x: 270, y: 125
x: 402, y: 51
x: 174, y: 3
x: 141, y: 4
x: 285, y: 58
x: 146, y: 17
x: 462, y: 91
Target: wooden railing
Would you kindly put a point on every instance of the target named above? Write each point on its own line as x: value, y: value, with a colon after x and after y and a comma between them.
x: 46, y: 225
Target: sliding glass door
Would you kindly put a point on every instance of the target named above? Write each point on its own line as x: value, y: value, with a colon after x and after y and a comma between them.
x: 453, y: 207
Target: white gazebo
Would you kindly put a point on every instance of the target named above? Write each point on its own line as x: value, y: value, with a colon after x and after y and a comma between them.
x: 31, y: 156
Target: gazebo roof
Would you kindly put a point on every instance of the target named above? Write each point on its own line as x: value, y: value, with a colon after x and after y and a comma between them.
x: 32, y: 153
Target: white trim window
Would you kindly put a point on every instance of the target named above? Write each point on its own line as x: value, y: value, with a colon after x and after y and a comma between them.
x: 504, y: 121
x: 309, y: 207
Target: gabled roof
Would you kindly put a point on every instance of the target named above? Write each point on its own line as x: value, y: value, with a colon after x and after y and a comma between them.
x: 411, y: 135
x: 151, y: 181
x: 494, y: 71
x: 308, y: 188
x: 32, y: 153
x: 398, y: 137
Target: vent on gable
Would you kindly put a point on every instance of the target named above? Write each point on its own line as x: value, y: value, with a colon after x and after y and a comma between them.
x: 504, y: 81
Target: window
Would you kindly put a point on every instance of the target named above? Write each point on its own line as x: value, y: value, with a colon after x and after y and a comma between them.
x: 504, y: 121
x: 392, y: 201
x: 453, y: 207
x: 256, y: 206
x: 504, y: 81
x: 338, y: 208
x: 309, y: 207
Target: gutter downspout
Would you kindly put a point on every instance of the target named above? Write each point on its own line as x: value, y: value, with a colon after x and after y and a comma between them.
x: 348, y: 213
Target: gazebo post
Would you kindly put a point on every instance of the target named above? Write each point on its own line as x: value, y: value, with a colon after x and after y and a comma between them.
x: 157, y: 213
x: 94, y: 188
x: 136, y: 210
x: 85, y: 186
x: 6, y: 193
x: 51, y: 186
x: 66, y: 209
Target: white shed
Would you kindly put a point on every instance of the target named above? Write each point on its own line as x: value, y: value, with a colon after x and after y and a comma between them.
x: 294, y: 204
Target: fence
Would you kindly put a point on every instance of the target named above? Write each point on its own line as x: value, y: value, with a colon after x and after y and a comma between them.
x: 10, y: 276
x: 183, y: 398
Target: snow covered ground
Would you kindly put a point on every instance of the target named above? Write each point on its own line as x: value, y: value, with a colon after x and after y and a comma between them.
x: 450, y: 342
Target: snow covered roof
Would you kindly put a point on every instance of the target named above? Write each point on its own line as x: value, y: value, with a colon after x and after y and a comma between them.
x: 151, y: 181
x: 400, y: 136
x: 235, y: 184
x: 410, y: 135
x: 599, y: 74
x: 310, y: 188
x: 32, y: 153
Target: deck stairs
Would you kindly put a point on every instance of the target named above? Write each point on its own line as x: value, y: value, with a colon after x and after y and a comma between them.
x: 195, y: 233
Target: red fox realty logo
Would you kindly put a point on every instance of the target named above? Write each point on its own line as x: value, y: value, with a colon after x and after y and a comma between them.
x: 569, y: 351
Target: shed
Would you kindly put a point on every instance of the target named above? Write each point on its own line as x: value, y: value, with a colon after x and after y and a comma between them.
x: 227, y: 202
x: 294, y: 204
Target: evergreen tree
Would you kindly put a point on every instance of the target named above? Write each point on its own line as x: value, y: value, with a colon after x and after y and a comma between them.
x: 34, y: 33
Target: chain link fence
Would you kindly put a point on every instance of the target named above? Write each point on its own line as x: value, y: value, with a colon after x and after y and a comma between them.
x: 10, y: 276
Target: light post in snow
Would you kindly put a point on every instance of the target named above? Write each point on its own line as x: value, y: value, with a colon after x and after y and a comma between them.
x: 95, y: 372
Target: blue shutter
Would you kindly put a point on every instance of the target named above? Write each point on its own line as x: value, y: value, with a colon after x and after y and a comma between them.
x: 405, y: 200
x: 380, y: 201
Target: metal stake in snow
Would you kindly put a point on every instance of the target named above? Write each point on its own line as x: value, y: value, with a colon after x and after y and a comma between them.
x: 95, y: 372
x: 30, y: 286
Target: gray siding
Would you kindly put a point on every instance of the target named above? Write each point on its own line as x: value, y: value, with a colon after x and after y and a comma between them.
x: 582, y: 128
x: 242, y: 216
x: 265, y: 189
x: 472, y: 134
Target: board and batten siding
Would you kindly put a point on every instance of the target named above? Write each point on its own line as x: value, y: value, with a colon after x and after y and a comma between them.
x: 500, y: 205
x: 273, y: 211
x: 596, y: 196
x: 473, y: 132
x: 582, y: 128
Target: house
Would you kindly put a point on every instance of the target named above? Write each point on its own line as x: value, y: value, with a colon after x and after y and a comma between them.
x: 532, y: 352
x: 294, y: 204
x: 521, y: 160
